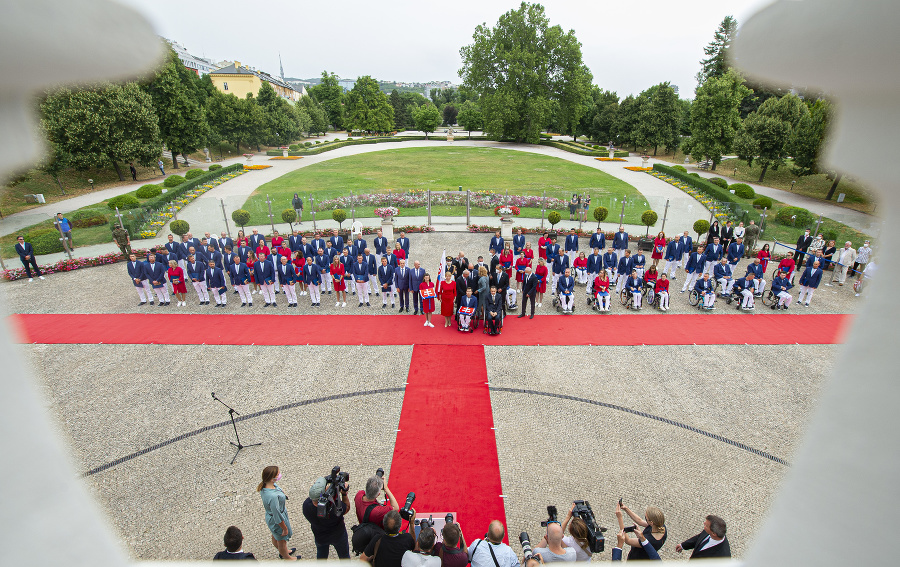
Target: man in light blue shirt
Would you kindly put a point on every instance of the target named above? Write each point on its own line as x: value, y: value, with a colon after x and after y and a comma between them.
x: 483, y: 552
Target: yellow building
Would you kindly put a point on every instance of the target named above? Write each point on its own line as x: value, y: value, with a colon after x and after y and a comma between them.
x: 239, y: 80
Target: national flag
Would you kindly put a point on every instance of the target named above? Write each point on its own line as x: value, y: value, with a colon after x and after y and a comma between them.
x: 439, y: 279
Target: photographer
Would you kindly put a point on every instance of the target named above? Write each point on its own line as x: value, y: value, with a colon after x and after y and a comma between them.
x: 328, y: 531
x: 620, y: 541
x: 551, y: 547
x: 578, y: 536
x: 492, y: 552
x: 387, y: 550
x: 654, y: 529
x: 422, y: 555
x: 369, y: 498
x: 452, y: 551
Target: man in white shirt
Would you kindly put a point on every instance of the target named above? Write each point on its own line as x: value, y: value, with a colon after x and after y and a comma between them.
x: 482, y: 553
x: 846, y: 256
x: 421, y: 555
x: 551, y: 547
x: 711, y: 542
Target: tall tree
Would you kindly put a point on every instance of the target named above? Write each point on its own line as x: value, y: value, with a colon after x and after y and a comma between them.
x: 659, y: 124
x: 318, y: 118
x: 282, y: 123
x: 369, y: 109
x: 470, y: 117
x: 330, y: 95
x: 427, y: 118
x: 766, y: 132
x: 518, y: 67
x: 450, y: 113
x: 716, y: 63
x: 103, y: 125
x: 629, y: 120
x: 808, y: 138
x: 715, y: 116
x: 240, y: 121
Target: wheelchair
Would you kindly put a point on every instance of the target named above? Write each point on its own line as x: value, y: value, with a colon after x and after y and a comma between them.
x: 487, y: 331
x: 769, y: 298
x: 557, y: 304
x: 695, y: 299
x: 626, y: 298
x: 473, y: 322
x: 650, y: 293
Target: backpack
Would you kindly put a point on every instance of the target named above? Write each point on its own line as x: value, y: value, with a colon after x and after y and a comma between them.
x: 364, y: 532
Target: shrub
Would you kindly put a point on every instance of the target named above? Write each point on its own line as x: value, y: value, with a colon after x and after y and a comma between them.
x: 339, y: 216
x: 294, y: 147
x: 830, y: 234
x: 193, y: 173
x: 45, y: 240
x: 804, y: 217
x: 289, y: 216
x: 694, y: 174
x: 163, y: 200
x: 743, y: 190
x: 241, y: 217
x: 763, y: 203
x: 680, y: 168
x: 318, y: 141
x: 179, y: 227
x: 215, y: 166
x: 600, y: 214
x: 718, y: 181
x: 87, y: 221
x: 307, y: 144
x: 649, y: 219
x: 173, y: 180
x: 553, y: 217
x: 701, y: 227
x: 148, y: 191
x: 124, y: 202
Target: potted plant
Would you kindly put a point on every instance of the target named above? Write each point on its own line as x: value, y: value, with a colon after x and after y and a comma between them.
x: 505, y: 211
x: 600, y: 214
x: 387, y: 214
x: 648, y: 219
x: 339, y: 216
x: 553, y: 217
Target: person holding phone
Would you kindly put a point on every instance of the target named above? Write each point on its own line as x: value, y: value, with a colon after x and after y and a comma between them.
x: 654, y: 530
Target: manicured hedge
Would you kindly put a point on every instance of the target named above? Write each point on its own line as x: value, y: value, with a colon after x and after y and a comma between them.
x: 157, y: 203
x: 743, y: 190
x: 45, y: 241
x: 124, y: 202
x: 173, y: 180
x: 704, y: 185
x: 763, y: 203
x: 193, y: 173
x: 718, y: 181
x: 680, y: 168
x: 215, y: 166
x: 88, y: 217
x: 148, y: 191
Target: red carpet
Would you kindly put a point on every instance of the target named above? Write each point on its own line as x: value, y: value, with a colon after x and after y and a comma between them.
x: 661, y: 329
x: 446, y: 451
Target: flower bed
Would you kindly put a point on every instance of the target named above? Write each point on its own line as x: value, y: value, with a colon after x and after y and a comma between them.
x: 635, y: 168
x: 610, y: 159
x: 253, y: 167
x: 706, y: 200
x: 419, y: 198
x: 582, y: 233
x: 286, y: 157
x: 74, y: 264
x: 387, y: 212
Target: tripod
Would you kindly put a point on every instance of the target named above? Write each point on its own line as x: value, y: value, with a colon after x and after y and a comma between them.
x: 231, y: 413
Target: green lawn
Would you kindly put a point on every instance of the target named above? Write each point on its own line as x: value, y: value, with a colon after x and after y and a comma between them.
x: 445, y: 169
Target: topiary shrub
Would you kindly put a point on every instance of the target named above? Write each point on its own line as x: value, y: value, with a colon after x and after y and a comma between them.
x: 763, y: 203
x: 694, y: 173
x: 293, y: 147
x: 148, y: 191
x: 600, y: 214
x: 215, y: 166
x: 179, y: 227
x: 307, y: 144
x: 173, y: 181
x: 88, y: 217
x: 339, y: 216
x: 193, y: 173
x: 648, y: 219
x: 718, y: 181
x: 289, y: 216
x: 701, y: 227
x: 786, y: 216
x: 554, y: 218
x: 830, y: 234
x: 241, y: 217
x: 743, y: 190
x: 680, y: 168
x: 45, y: 240
x: 124, y: 202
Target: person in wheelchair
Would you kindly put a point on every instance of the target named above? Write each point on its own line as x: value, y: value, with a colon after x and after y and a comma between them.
x: 601, y: 291
x: 759, y: 283
x: 724, y: 276
x: 780, y: 286
x: 650, y: 277
x: 566, y: 291
x: 706, y: 290
x: 745, y: 287
x: 661, y: 287
x: 635, y: 285
x: 639, y: 263
x: 493, y: 316
x: 468, y: 305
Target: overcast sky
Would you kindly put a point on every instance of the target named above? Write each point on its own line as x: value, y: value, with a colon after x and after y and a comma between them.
x: 628, y: 46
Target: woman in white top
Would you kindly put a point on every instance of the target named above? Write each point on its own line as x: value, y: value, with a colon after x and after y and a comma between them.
x: 578, y: 536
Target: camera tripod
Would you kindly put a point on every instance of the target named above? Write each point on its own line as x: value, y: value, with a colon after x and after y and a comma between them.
x: 231, y: 413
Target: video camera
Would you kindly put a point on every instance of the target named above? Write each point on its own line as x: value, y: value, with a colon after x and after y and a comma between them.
x: 551, y: 516
x: 596, y: 539
x: 327, y: 504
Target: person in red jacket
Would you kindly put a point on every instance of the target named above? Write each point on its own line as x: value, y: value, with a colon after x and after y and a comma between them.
x: 659, y: 248
x: 277, y: 240
x: 580, y: 265
x: 262, y: 248
x: 448, y: 296
x: 299, y: 261
x: 542, y: 246
x: 337, y: 279
x: 521, y: 264
x: 542, y: 273
x: 427, y: 294
x: 787, y: 265
x: 601, y: 290
x: 662, y: 291
x: 506, y: 260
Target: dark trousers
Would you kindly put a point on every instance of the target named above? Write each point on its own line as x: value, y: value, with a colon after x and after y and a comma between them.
x: 342, y: 547
x: 417, y: 301
x: 403, y: 295
x: 33, y: 263
x: 525, y: 300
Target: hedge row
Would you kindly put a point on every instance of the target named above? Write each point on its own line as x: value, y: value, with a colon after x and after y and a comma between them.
x: 710, y: 189
x: 157, y: 203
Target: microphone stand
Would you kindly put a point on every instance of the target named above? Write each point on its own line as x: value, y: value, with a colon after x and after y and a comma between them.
x: 231, y: 413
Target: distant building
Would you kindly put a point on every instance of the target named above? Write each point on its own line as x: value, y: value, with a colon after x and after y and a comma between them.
x: 239, y: 80
x: 346, y: 84
x: 199, y: 65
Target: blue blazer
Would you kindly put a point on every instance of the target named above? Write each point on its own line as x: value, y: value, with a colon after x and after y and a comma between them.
x: 176, y: 251
x: 696, y: 262
x: 780, y: 284
x: 810, y: 279
x: 625, y: 265
x: 381, y: 245
x: 620, y: 241
x: 635, y: 285
x: 673, y: 251
x: 735, y: 252
x: 572, y: 243
x: 254, y: 240
x: 136, y: 271
x: 155, y: 272
x: 467, y: 301
x: 404, y: 243
x: 713, y: 252
x: 214, y: 242
x: 704, y: 286
x: 312, y: 274
x: 25, y: 250
x: 226, y: 242
x: 263, y: 272
x: 687, y: 244
x: 566, y: 285
x: 196, y: 270
x: 496, y: 244
x: 370, y: 261
x: 757, y: 270
x: 215, y: 257
x: 610, y: 261
x: 594, y: 263
x: 286, y: 274
x: 337, y: 242
x: 638, y: 261
x: 323, y: 261
x: 598, y: 241
x: 385, y: 275
x: 295, y: 243
x: 240, y: 274
x: 401, y: 282
x: 721, y: 271
x: 309, y: 250
x: 560, y: 263
x: 552, y: 252
x: 361, y: 245
x: 243, y: 253
x: 316, y: 244
x: 360, y: 272
x: 741, y: 284
x: 415, y: 278
x: 518, y: 243
x: 215, y: 279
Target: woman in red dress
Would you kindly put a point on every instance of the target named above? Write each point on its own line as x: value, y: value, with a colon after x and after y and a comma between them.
x: 580, y: 265
x: 521, y: 264
x: 659, y: 248
x: 276, y: 240
x: 262, y: 248
x: 241, y: 240
x: 448, y: 296
x: 506, y: 260
x: 176, y: 276
x: 283, y: 251
x: 528, y: 252
x: 764, y: 256
x: 337, y: 278
x: 541, y: 272
x: 400, y: 254
x: 542, y: 243
x: 251, y: 259
x: 299, y: 261
x: 427, y: 295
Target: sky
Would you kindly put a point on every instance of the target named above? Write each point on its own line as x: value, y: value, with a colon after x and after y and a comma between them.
x: 628, y: 46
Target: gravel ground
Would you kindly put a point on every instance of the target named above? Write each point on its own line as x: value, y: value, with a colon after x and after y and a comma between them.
x: 108, y: 289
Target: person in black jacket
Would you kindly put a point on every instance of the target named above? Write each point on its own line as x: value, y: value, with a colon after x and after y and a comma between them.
x: 493, y: 310
x: 26, y: 255
x: 529, y: 291
x: 711, y: 542
x: 234, y: 540
x: 803, y: 244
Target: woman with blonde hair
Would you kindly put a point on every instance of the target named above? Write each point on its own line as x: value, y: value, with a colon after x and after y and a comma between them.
x: 654, y: 524
x: 273, y: 500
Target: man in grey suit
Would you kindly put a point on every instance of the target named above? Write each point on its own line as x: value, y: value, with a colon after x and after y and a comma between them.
x: 416, y: 276
x: 529, y: 291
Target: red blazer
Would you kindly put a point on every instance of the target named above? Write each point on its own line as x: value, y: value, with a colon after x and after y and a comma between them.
x: 506, y: 256
x: 400, y: 253
x: 337, y: 271
x: 542, y: 251
x: 662, y: 285
x: 528, y: 253
x: 601, y: 285
x: 276, y: 242
x: 261, y: 249
x: 580, y: 262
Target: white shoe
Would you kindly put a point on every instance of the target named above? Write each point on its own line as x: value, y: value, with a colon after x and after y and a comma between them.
x: 253, y: 292
x: 539, y: 304
x: 426, y: 324
x: 31, y: 279
x: 431, y: 325
x: 41, y: 277
x: 344, y: 304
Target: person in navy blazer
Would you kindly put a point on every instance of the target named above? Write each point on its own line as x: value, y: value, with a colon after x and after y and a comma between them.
x: 312, y: 276
x: 240, y: 279
x: 758, y: 274
x: 287, y: 276
x: 225, y: 241
x: 714, y: 253
x: 26, y: 255
x: 552, y: 251
x: 710, y: 543
x: 416, y: 277
x: 468, y: 300
x: 687, y: 246
x: 620, y: 242
x: 725, y: 276
x: 196, y: 273
x: 337, y: 241
x: 213, y: 255
x: 571, y: 246
x: 255, y: 238
x: 635, y: 285
x: 370, y: 261
x: 295, y: 242
x: 673, y: 256
x: 518, y: 242
x: 496, y: 245
x: 176, y: 251
x: 401, y: 284
x: 212, y: 241
x: 155, y: 272
x: 626, y: 264
x: 735, y: 251
x: 610, y: 264
x: 594, y: 265
x: 565, y: 288
x: 243, y: 253
x: 598, y: 240
x: 386, y: 282
x: 215, y: 281
x: 323, y: 262
x: 381, y: 244
x: 745, y: 287
x: 809, y: 282
x: 199, y: 254
x: 694, y: 267
x: 706, y: 290
x: 318, y: 242
x: 264, y: 275
x: 560, y: 265
x: 360, y: 243
x: 139, y: 279
x: 361, y: 279
x: 404, y: 244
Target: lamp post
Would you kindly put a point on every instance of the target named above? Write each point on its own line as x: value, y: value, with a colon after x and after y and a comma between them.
x: 312, y: 208
x: 271, y: 216
x: 91, y: 181
x: 622, y: 215
x: 762, y: 221
x: 792, y: 185
x: 224, y: 216
x: 665, y: 214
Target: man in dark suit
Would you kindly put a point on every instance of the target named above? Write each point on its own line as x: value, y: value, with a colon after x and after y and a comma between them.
x: 404, y: 244
x: 264, y: 275
x: 802, y: 246
x: 176, y: 251
x: 459, y: 264
x: 518, y: 243
x: 225, y: 240
x: 234, y: 541
x: 711, y: 542
x: 500, y: 280
x: 215, y: 282
x: 294, y: 242
x: 337, y: 242
x: 26, y: 255
x: 529, y: 291
x: 494, y: 310
x: 496, y: 245
x: 256, y: 237
x: 386, y: 282
x: 139, y: 279
x: 416, y: 276
x: 380, y: 246
x: 726, y: 237
x: 461, y: 283
x: 401, y: 284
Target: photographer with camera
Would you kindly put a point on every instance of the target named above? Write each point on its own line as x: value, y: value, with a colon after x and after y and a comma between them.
x: 388, y: 550
x: 551, y: 547
x: 422, y: 555
x: 645, y: 544
x: 654, y: 529
x: 578, y: 536
x: 452, y: 551
x: 491, y: 551
x: 328, y: 531
x: 368, y: 500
